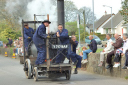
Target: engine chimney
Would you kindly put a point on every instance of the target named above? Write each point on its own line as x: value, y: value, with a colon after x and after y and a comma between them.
x: 60, y: 12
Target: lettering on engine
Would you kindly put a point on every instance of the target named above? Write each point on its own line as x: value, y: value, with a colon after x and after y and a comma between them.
x: 59, y: 46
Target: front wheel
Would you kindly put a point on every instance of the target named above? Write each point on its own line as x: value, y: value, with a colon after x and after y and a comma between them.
x: 35, y: 72
x: 68, y: 74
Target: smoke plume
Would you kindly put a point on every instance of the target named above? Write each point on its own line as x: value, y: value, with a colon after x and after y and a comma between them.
x: 26, y: 9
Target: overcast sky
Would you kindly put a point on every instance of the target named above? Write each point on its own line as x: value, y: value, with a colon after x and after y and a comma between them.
x: 99, y: 10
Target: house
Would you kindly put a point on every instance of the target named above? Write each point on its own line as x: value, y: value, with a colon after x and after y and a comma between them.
x: 117, y: 25
x: 87, y: 28
x: 98, y: 25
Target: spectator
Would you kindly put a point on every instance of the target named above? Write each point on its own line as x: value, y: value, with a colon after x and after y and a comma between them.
x: 125, y: 50
x: 93, y: 48
x: 9, y: 42
x: 118, y: 57
x: 81, y: 53
x: 14, y: 43
x: 117, y: 45
x: 106, y: 50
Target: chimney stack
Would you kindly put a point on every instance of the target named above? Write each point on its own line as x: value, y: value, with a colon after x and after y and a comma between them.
x: 105, y: 13
x: 60, y: 13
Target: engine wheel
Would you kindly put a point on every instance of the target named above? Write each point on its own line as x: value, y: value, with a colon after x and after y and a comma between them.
x: 68, y: 74
x: 28, y: 71
x: 35, y: 73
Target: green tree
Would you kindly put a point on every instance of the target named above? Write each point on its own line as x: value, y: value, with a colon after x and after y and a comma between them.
x: 88, y: 15
x: 70, y: 11
x: 124, y: 11
x: 73, y: 30
x: 7, y: 32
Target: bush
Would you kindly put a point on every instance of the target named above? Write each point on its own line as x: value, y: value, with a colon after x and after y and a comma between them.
x: 101, y: 36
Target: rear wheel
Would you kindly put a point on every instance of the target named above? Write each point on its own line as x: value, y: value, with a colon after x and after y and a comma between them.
x: 35, y: 73
x: 68, y: 74
x: 28, y: 68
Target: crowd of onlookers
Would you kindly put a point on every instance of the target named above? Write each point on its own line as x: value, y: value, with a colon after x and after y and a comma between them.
x: 17, y: 44
x: 116, y: 49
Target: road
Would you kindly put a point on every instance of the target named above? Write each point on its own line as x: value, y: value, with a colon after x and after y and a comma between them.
x: 11, y: 73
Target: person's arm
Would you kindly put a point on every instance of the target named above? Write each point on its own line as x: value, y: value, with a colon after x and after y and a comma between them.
x: 12, y: 42
x: 76, y: 44
x: 118, y: 44
x: 40, y: 32
x: 64, y: 34
x: 109, y: 47
x: 25, y: 34
x: 94, y: 44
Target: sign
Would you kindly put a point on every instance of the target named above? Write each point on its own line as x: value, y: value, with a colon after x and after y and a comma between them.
x: 59, y: 46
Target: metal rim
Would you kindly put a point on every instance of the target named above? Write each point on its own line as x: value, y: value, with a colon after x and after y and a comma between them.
x: 35, y: 73
x: 68, y: 75
x: 28, y: 66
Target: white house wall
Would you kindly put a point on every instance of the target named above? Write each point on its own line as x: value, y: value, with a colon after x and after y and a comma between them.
x: 101, y: 29
x: 119, y: 28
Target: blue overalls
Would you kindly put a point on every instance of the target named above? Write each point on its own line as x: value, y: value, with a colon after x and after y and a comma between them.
x: 75, y: 57
x: 64, y: 40
x: 39, y: 39
x: 28, y: 33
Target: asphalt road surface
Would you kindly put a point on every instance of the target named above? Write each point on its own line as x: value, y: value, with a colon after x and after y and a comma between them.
x: 11, y: 73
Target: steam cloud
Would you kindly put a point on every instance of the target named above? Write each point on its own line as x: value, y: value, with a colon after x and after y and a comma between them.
x: 31, y: 7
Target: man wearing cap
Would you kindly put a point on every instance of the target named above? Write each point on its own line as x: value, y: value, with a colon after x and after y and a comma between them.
x: 28, y: 35
x: 39, y: 41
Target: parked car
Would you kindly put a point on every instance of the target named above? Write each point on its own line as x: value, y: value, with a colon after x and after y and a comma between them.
x: 1, y: 43
x: 104, y: 42
x: 97, y: 39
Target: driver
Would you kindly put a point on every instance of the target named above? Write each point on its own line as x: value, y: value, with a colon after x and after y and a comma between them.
x: 39, y: 41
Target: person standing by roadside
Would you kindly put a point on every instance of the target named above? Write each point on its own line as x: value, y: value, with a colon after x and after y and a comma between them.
x: 9, y: 42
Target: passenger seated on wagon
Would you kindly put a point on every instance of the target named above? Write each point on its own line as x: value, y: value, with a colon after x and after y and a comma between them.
x: 74, y: 57
x: 62, y: 34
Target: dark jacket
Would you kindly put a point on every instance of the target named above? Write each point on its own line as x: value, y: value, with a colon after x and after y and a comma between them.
x: 40, y: 35
x: 75, y: 46
x: 64, y: 38
x: 10, y: 41
x: 118, y: 44
x: 28, y: 33
x: 93, y: 45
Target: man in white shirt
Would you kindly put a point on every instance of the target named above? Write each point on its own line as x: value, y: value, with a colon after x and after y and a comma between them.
x: 125, y: 50
x: 106, y: 50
